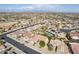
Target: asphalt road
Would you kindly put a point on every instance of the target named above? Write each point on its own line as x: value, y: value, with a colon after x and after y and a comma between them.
x: 17, y: 44
x: 20, y: 29
x: 20, y: 46
x: 68, y: 30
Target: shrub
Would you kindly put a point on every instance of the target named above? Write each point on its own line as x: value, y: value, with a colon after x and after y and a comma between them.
x: 1, y: 42
x: 42, y: 44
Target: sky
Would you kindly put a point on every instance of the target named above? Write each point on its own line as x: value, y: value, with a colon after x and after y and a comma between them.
x: 39, y: 8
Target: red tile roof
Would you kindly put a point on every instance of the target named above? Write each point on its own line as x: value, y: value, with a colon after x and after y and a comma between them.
x: 74, y: 33
x: 75, y: 47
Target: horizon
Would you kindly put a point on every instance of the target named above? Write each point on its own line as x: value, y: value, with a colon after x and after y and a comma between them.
x: 57, y: 8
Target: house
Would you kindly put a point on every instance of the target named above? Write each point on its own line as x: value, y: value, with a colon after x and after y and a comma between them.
x: 75, y: 48
x: 7, y: 26
x: 2, y: 49
x: 74, y: 35
x: 34, y: 38
x: 59, y: 46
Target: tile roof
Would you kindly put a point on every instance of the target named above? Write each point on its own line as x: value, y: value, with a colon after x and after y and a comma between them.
x: 75, y: 48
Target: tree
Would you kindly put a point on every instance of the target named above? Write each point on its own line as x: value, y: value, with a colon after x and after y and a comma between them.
x: 50, y: 47
x: 42, y: 44
x: 1, y: 42
x: 48, y: 35
x: 68, y: 36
